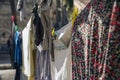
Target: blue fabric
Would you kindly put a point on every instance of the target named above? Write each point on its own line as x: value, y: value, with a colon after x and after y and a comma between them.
x: 18, y: 52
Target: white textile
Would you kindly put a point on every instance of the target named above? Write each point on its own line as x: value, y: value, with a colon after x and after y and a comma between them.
x: 21, y: 7
x: 64, y: 36
x: 28, y: 64
x: 61, y: 68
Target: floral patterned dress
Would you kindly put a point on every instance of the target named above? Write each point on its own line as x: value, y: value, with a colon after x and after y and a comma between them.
x: 96, y: 42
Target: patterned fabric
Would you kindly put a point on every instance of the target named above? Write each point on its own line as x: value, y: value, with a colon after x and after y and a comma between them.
x: 96, y: 42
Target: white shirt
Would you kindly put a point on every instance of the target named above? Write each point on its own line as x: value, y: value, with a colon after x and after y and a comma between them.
x: 28, y: 63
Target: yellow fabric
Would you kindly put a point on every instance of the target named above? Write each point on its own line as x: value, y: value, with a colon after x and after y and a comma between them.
x: 31, y: 78
x: 32, y: 57
x: 33, y: 49
x: 74, y: 14
x: 53, y: 31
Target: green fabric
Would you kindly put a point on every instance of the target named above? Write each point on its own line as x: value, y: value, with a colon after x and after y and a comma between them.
x: 16, y: 28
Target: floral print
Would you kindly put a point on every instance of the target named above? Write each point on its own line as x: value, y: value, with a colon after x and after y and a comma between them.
x: 96, y: 42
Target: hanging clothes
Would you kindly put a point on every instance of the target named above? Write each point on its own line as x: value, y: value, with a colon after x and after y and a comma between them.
x: 43, y: 71
x: 45, y: 18
x: 18, y: 51
x: 45, y: 12
x: 29, y: 51
x: 61, y: 68
x: 64, y: 36
x: 38, y: 27
x: 63, y: 10
x: 96, y: 42
x: 21, y: 7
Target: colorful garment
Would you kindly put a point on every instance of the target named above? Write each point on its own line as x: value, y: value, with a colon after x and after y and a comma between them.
x: 18, y: 51
x: 96, y: 42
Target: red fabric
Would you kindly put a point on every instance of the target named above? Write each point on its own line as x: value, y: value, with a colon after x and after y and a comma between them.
x: 12, y: 18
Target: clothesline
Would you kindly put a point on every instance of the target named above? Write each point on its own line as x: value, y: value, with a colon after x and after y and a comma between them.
x: 88, y: 44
